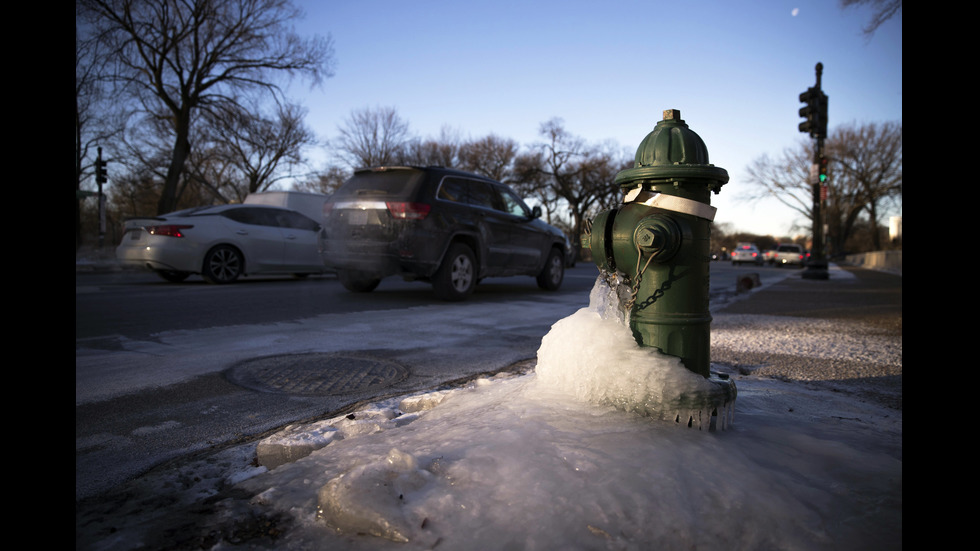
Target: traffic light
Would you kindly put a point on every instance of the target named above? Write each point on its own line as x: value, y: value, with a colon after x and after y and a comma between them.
x: 823, y: 169
x: 809, y: 112
x: 814, y: 113
x: 101, y: 174
x: 821, y: 100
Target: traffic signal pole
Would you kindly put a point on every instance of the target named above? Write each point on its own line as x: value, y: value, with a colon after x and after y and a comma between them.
x: 815, y: 124
x: 101, y: 177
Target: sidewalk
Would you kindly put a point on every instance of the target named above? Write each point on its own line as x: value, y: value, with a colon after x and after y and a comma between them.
x: 813, y: 459
x: 850, y: 293
x: 858, y: 304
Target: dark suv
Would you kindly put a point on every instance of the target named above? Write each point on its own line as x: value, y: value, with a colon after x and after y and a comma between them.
x: 436, y: 224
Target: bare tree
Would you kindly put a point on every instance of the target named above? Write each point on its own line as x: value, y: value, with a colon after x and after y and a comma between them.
x: 95, y: 124
x: 326, y: 181
x: 491, y: 156
x: 249, y: 152
x: 784, y: 179
x: 441, y: 151
x: 869, y: 158
x: 881, y: 11
x: 182, y: 57
x: 864, y: 169
x: 572, y: 174
x: 371, y: 137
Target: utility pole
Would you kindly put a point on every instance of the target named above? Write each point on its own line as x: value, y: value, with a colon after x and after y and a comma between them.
x: 815, y: 124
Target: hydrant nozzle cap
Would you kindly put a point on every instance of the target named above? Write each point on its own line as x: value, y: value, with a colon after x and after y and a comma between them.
x: 672, y: 150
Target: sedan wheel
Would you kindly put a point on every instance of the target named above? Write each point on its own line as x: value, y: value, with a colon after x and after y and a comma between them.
x: 456, y: 278
x: 223, y: 264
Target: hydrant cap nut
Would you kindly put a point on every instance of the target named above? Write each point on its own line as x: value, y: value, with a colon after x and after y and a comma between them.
x: 647, y: 237
x: 659, y: 235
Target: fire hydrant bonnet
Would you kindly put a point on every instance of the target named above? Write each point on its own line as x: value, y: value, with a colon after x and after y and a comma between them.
x: 672, y: 151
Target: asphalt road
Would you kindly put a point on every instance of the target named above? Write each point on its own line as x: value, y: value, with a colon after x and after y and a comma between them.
x: 140, y: 303
x: 163, y: 371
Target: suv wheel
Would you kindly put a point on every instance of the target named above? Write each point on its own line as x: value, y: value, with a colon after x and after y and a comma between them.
x: 357, y: 282
x: 456, y: 278
x: 553, y: 272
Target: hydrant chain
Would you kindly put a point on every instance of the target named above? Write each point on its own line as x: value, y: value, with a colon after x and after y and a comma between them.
x: 638, y: 278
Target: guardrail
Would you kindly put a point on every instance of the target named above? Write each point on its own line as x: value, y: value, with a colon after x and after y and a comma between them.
x: 878, y: 260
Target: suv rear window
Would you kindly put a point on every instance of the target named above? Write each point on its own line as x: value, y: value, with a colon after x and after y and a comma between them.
x: 789, y: 248
x: 471, y: 192
x: 390, y: 183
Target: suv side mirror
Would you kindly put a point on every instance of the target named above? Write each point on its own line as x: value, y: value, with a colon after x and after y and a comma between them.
x: 536, y: 212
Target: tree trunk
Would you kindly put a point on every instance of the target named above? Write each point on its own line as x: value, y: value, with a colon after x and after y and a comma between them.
x: 182, y: 149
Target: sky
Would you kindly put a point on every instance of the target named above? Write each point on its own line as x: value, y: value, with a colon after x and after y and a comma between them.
x: 609, y: 69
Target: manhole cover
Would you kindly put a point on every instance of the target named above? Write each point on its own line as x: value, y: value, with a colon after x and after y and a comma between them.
x: 316, y: 374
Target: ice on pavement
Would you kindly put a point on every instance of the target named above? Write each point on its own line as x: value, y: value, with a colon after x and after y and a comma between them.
x: 593, y: 356
x: 531, y: 461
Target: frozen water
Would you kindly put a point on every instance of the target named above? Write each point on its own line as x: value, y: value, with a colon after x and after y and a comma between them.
x: 510, y: 463
x: 559, y: 459
x: 368, y: 499
x: 593, y: 356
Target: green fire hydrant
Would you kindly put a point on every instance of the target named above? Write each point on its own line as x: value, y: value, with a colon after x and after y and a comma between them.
x: 656, y: 243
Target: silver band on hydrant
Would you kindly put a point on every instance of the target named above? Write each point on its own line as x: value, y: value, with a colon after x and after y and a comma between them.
x: 670, y: 202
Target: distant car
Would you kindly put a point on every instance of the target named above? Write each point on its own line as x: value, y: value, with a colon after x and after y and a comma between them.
x: 445, y: 226
x: 769, y: 256
x: 223, y: 243
x: 788, y: 254
x: 746, y: 253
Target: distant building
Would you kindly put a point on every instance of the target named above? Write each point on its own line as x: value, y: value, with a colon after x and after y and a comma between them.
x: 895, y: 228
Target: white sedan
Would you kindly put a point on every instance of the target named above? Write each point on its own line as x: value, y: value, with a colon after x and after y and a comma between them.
x: 746, y: 252
x: 222, y: 243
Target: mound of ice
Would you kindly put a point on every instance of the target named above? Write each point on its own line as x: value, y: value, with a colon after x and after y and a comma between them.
x: 592, y: 355
x: 370, y: 498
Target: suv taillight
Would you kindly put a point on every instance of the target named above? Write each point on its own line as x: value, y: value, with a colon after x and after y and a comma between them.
x: 169, y: 230
x: 408, y: 211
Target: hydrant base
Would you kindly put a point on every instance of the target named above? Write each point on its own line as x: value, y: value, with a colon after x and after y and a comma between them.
x: 710, y: 408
